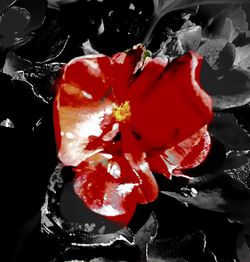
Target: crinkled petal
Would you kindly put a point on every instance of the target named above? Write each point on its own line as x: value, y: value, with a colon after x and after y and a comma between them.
x: 187, y: 154
x: 191, y: 152
x: 198, y: 153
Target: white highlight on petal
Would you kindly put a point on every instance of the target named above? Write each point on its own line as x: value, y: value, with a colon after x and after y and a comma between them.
x: 114, y: 169
x: 91, y: 126
x: 87, y: 95
x: 170, y: 167
x: 92, y: 63
x: 144, y: 167
x: 69, y: 135
x: 111, y: 134
x: 72, y: 151
x: 108, y: 156
x: 125, y: 189
x: 107, y: 210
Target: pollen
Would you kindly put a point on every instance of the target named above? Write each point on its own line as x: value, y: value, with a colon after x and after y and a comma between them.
x: 123, y: 112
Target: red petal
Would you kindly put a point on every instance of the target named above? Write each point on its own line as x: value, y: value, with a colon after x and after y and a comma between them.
x: 187, y: 154
x: 191, y: 151
x: 108, y: 187
x: 125, y: 65
x: 159, y: 165
x: 143, y: 84
x: 83, y: 101
x: 175, y: 108
x: 198, y: 153
x: 148, y: 188
x: 92, y: 74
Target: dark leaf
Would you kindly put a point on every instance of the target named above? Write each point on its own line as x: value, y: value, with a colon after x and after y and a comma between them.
x: 242, y: 115
x: 42, y: 78
x: 191, y: 247
x: 48, y: 43
x: 219, y: 54
x: 37, y: 10
x: 146, y: 235
x: 162, y: 7
x: 243, y: 250
x: 13, y: 63
x: 190, y: 38
x: 87, y: 230
x: 228, y: 32
x: 238, y: 168
x: 14, y: 20
x: 4, y: 4
x: 211, y: 51
x: 243, y: 57
x: 228, y: 24
x: 225, y: 128
x: 20, y: 103
x: 228, y: 91
x: 219, y: 200
x: 57, y: 3
x: 238, y: 18
x: 227, y: 57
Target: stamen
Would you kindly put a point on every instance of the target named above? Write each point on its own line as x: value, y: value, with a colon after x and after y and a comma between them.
x: 123, y: 112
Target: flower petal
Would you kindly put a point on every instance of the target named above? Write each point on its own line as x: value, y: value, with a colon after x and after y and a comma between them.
x: 187, y: 154
x: 191, y: 152
x: 143, y: 84
x: 125, y: 65
x: 176, y: 107
x: 148, y: 188
x: 108, y: 186
x: 82, y: 103
x: 198, y: 153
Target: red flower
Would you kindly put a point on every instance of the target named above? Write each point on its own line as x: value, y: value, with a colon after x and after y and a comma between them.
x: 119, y: 119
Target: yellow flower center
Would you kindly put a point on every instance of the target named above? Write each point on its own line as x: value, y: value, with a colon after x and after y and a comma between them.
x: 123, y: 112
